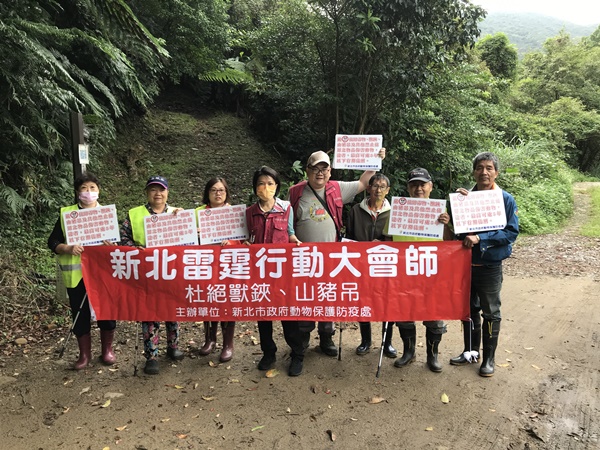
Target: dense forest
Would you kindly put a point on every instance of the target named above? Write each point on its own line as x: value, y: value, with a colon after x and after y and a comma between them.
x: 301, y: 71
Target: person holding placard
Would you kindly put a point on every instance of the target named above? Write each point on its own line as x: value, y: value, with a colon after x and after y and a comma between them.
x: 318, y: 206
x: 489, y: 249
x: 271, y: 221
x: 420, y: 185
x: 367, y: 221
x: 87, y: 188
x: 216, y: 195
x: 133, y: 234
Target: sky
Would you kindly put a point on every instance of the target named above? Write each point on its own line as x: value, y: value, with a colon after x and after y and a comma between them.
x: 581, y: 12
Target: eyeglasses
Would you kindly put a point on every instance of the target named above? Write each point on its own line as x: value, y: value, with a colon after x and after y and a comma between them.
x: 217, y: 191
x: 317, y: 170
x: 377, y: 187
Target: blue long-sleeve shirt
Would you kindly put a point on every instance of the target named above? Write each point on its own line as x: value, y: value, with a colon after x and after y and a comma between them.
x: 496, y: 245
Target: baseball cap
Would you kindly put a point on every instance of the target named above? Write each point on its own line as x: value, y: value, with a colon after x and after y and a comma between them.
x: 419, y: 174
x: 318, y: 157
x: 162, y: 181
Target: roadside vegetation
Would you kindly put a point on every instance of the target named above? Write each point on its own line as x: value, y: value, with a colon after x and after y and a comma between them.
x: 592, y: 227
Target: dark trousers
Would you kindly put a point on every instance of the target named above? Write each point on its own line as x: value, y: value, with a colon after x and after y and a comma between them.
x: 83, y: 325
x: 267, y: 344
x: 297, y: 337
x: 486, y: 284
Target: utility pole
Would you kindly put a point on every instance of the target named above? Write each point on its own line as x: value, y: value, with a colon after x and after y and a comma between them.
x: 79, y: 149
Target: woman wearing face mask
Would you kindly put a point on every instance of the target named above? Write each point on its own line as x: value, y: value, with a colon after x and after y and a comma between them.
x: 270, y: 221
x: 69, y: 259
x: 216, y: 195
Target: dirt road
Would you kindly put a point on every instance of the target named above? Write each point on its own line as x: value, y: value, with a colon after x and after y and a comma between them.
x: 544, y: 395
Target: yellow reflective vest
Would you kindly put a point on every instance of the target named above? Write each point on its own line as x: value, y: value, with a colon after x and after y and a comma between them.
x: 136, y: 219
x: 70, y: 265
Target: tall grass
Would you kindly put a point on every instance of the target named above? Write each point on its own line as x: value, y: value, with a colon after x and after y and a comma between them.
x: 541, y: 184
x: 592, y: 227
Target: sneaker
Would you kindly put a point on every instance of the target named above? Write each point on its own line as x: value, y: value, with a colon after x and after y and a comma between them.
x: 327, y: 345
x: 151, y: 367
x: 295, y: 367
x: 175, y: 354
x: 266, y: 362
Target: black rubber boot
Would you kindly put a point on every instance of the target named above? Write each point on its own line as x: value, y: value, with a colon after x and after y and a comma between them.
x: 433, y: 341
x: 491, y: 330
x: 409, y: 339
x: 471, y: 340
x: 327, y: 345
x: 388, y: 349
x: 365, y: 338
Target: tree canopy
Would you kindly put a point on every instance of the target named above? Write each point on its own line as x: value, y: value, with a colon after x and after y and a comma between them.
x: 309, y: 69
x: 499, y: 55
x: 352, y: 60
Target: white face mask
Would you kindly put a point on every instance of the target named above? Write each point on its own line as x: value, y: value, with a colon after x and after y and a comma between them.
x: 88, y: 197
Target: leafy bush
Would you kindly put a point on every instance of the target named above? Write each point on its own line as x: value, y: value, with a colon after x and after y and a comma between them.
x: 27, y: 287
x: 592, y: 227
x: 541, y: 184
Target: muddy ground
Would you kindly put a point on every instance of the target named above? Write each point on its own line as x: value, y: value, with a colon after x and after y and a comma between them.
x: 544, y: 395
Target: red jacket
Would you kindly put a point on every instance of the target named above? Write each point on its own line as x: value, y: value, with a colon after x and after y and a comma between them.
x: 270, y: 228
x: 333, y: 198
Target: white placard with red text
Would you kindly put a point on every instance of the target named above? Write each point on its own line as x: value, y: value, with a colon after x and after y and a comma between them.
x: 357, y: 152
x: 416, y: 217
x: 222, y: 224
x: 91, y: 226
x: 478, y: 211
x: 170, y: 229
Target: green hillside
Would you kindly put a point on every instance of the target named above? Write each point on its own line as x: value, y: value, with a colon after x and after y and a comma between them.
x: 528, y: 31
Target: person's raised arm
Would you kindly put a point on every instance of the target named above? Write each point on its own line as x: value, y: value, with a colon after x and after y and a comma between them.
x: 367, y: 174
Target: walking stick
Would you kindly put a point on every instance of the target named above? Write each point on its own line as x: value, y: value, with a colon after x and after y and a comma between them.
x: 385, y: 327
x: 136, y: 350
x: 62, y: 350
x: 340, y: 343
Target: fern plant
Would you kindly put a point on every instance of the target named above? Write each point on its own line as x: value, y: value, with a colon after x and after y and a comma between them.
x: 90, y: 56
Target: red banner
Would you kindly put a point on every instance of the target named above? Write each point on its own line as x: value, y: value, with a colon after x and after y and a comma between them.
x: 350, y: 281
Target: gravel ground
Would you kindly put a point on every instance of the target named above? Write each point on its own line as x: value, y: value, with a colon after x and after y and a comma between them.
x: 564, y: 253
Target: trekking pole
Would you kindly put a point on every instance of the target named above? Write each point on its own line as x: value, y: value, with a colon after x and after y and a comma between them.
x: 62, y: 350
x: 385, y: 327
x: 136, y: 350
x: 340, y: 343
